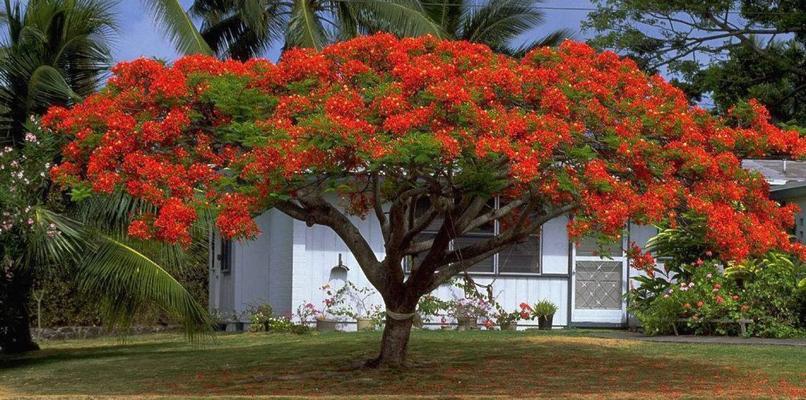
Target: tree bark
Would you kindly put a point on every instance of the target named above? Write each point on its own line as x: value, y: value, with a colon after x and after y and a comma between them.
x: 15, y: 329
x: 394, y: 344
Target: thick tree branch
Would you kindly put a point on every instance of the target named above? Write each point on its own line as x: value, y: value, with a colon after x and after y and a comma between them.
x: 377, y: 202
x: 315, y: 210
x: 461, y: 259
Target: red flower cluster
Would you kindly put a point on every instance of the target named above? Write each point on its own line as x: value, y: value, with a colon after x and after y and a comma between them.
x: 567, y: 125
x: 640, y: 260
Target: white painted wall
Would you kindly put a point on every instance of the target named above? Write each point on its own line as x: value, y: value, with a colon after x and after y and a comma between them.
x: 289, y: 262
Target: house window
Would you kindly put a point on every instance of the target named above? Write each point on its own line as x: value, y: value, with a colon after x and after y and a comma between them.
x: 520, y: 258
x: 588, y: 247
x: 225, y: 256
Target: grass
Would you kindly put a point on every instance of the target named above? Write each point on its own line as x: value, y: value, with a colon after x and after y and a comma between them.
x: 564, y: 364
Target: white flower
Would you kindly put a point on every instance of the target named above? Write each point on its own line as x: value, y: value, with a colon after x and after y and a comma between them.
x: 30, y: 137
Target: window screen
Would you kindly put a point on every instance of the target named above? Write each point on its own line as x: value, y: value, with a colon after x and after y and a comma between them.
x: 521, y: 258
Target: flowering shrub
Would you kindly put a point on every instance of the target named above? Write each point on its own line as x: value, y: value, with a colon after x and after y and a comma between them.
x: 430, y: 307
x: 307, y: 312
x: 469, y: 309
x: 278, y: 324
x: 707, y: 295
x: 260, y: 316
x: 24, y: 177
x: 505, y: 318
x: 351, y: 301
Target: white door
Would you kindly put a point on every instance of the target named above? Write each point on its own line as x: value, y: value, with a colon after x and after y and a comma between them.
x: 599, y: 282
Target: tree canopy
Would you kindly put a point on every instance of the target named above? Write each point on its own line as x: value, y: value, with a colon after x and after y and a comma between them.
x: 419, y: 132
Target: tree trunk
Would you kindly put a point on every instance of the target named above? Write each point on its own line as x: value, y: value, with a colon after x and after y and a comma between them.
x: 15, y: 329
x: 394, y: 344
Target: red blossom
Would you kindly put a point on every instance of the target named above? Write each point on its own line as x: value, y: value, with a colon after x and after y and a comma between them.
x: 566, y: 125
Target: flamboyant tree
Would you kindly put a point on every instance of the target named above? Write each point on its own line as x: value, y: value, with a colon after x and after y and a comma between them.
x: 422, y: 132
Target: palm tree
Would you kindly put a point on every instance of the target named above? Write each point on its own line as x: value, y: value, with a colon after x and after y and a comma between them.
x: 56, y: 52
x: 496, y: 23
x: 242, y: 29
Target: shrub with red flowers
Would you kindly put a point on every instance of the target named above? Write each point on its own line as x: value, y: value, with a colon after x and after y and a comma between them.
x: 385, y: 123
x: 701, y: 299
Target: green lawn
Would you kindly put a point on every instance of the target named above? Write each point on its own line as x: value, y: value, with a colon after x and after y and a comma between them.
x: 569, y: 364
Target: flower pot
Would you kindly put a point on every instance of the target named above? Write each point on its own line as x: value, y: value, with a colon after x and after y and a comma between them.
x: 325, y: 325
x: 544, y: 322
x: 466, y: 323
x: 509, y: 326
x: 364, y: 324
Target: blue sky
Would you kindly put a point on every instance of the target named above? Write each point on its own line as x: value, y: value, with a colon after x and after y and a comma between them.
x: 138, y: 35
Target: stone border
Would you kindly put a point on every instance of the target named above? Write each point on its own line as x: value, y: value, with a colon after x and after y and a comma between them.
x: 87, y: 332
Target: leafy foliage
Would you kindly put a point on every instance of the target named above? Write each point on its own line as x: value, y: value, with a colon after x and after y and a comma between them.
x: 706, y: 293
x: 726, y: 50
x: 178, y: 26
x: 53, y: 53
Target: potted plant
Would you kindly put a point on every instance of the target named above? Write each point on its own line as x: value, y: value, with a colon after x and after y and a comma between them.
x: 467, y: 312
x: 544, y: 311
x: 508, y: 321
x: 307, y: 312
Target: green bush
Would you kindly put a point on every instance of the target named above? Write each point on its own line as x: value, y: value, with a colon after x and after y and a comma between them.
x: 776, y: 302
x: 765, y: 290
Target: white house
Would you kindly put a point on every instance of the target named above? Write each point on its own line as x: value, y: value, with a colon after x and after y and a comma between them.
x: 287, y: 264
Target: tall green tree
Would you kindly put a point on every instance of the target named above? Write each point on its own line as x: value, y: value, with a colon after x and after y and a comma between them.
x: 54, y: 53
x: 727, y: 50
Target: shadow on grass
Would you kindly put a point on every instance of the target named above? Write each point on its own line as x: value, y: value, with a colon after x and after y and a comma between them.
x: 475, y: 363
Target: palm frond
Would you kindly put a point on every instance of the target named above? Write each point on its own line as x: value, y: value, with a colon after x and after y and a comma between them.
x: 550, y: 40
x: 178, y: 26
x: 403, y: 18
x: 54, y: 238
x: 128, y: 280
x: 498, y: 23
x: 241, y: 29
x: 305, y: 28
x: 47, y: 85
x: 113, y: 213
x: 447, y: 13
